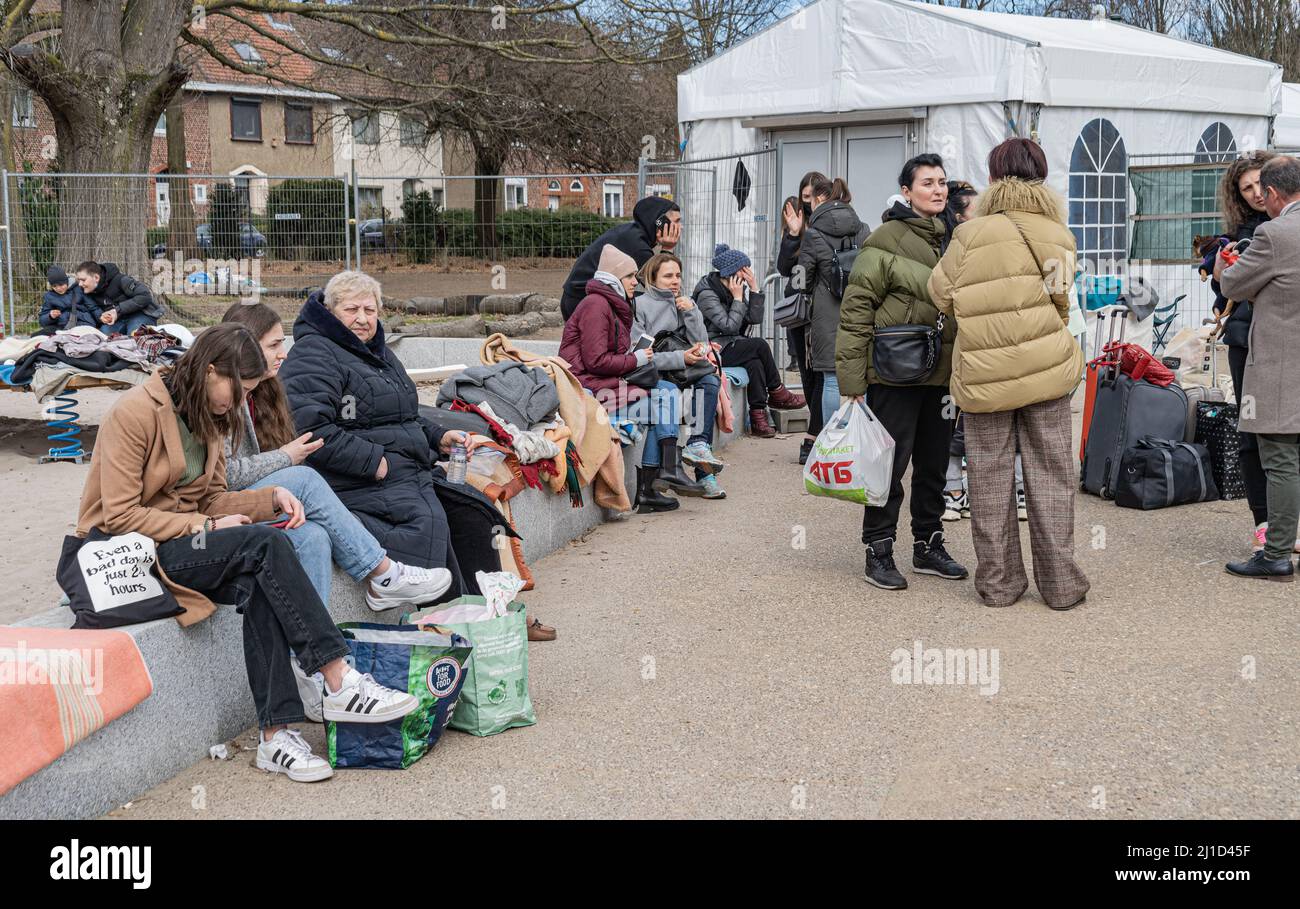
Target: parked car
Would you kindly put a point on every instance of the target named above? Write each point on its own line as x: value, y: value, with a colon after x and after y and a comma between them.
x: 252, y: 242
x: 376, y: 233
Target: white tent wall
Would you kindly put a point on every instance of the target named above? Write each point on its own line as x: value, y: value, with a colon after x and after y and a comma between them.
x: 1286, y: 128
x: 963, y: 135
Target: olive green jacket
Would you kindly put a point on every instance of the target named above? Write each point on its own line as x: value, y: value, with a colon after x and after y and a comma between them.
x: 887, y: 287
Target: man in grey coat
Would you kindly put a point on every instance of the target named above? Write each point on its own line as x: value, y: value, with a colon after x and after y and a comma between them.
x: 1268, y: 273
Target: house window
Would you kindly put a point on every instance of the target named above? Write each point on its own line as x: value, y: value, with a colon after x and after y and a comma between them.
x: 246, y: 119
x: 437, y: 197
x: 553, y: 186
x: 160, y: 128
x: 370, y: 201
x: 298, y: 124
x: 575, y: 186
x: 365, y: 128
x: 200, y: 193
x: 613, y: 193
x: 412, y: 133
x: 662, y: 190
x: 22, y: 112
x: 552, y: 203
x: 248, y: 53
x: 1099, y: 196
x: 242, y: 193
x: 410, y: 188
x: 280, y: 25
x: 516, y: 193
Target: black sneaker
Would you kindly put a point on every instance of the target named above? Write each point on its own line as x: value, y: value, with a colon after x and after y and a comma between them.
x: 881, y: 570
x: 805, y: 449
x: 931, y: 558
x: 1260, y: 566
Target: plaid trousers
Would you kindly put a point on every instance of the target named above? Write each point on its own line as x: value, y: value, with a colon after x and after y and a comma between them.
x: 1049, y: 473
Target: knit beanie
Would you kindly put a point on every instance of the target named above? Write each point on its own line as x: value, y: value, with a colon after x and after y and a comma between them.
x: 616, y: 262
x: 728, y: 261
x: 56, y: 275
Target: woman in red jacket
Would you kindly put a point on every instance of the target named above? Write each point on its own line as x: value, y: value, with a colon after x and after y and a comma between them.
x: 597, y: 345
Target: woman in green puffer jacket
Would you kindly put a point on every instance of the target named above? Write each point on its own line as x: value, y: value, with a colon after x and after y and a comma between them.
x: 887, y: 287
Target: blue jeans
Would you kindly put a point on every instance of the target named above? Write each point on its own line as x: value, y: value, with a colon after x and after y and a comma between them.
x: 128, y: 325
x: 704, y: 403
x: 331, y: 534
x: 659, y: 411
x: 830, y: 394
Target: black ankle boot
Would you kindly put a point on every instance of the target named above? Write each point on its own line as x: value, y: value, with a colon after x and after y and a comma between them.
x: 930, y: 557
x: 881, y: 570
x: 648, y: 501
x: 671, y: 476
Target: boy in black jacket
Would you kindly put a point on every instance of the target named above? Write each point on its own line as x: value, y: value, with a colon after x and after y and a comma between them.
x: 64, y: 306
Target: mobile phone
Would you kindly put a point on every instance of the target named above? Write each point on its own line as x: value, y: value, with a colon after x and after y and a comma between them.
x: 279, y: 525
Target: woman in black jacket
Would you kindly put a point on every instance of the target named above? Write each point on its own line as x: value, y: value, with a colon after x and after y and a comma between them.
x: 729, y: 300
x: 347, y: 388
x: 1242, y: 202
x: 795, y: 214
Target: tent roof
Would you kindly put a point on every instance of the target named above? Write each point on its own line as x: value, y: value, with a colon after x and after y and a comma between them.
x: 836, y: 56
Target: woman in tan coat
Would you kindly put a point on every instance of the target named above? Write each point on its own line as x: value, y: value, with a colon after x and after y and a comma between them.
x: 160, y: 470
x: 1005, y: 279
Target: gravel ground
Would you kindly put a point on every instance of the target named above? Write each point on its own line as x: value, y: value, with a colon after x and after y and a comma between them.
x: 707, y: 666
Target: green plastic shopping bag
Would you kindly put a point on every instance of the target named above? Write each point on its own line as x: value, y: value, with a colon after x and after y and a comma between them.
x: 494, y: 696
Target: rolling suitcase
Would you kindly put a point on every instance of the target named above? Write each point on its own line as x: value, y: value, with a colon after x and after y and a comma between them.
x: 1100, y: 361
x: 1216, y: 429
x: 1198, y: 394
x: 1124, y: 410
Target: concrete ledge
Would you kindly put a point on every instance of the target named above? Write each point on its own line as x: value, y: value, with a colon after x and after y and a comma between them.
x: 201, y: 694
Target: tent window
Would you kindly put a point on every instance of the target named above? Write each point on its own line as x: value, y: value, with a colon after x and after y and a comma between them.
x: 1098, y: 168
x: 1216, y: 144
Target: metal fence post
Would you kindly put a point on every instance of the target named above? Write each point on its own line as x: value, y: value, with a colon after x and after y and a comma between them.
x: 9, y: 252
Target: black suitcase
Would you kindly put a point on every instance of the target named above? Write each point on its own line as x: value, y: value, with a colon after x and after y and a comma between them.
x: 1124, y: 411
x: 1158, y: 473
x: 1216, y: 429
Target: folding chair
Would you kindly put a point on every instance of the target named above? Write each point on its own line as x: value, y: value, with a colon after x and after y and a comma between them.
x: 1164, y: 323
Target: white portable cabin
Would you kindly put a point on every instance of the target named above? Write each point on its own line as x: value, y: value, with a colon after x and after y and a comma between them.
x: 855, y: 87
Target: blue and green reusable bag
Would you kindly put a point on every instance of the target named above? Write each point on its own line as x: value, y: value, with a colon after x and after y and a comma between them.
x: 427, y: 664
x: 495, y: 697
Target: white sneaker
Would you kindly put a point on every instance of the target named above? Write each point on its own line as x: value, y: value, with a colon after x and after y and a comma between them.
x: 1022, y: 510
x: 413, y: 587
x: 363, y: 700
x: 288, y: 753
x: 311, y: 688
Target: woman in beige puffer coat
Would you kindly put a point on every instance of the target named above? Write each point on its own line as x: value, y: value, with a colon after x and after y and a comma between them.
x: 1005, y: 279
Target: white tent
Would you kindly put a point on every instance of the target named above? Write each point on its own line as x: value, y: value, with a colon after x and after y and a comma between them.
x: 855, y: 87
x: 1286, y: 128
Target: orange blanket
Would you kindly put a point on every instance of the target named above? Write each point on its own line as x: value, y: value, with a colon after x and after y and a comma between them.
x: 57, y: 686
x: 592, y: 434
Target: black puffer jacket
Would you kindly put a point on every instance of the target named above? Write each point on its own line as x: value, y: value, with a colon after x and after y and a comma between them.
x: 357, y: 396
x: 1236, y: 332
x: 832, y: 225
x: 124, y: 293
x: 636, y: 238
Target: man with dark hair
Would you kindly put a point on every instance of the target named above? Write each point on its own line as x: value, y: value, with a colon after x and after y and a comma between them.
x: 1268, y: 273
x: 655, y: 220
x: 125, y: 303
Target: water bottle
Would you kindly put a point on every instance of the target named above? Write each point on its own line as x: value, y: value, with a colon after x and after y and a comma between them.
x: 459, y: 462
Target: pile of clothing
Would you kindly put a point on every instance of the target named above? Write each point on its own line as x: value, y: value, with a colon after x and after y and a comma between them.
x: 47, y: 362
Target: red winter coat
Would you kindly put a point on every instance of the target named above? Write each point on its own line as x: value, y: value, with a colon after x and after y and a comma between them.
x: 595, y: 344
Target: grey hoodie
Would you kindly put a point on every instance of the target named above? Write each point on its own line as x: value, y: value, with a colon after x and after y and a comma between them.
x: 655, y: 311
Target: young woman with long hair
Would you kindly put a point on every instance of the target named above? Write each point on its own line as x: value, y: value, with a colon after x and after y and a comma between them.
x: 160, y: 470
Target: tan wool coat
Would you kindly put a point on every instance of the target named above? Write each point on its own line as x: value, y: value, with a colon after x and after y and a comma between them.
x: 137, y: 463
x: 1013, y: 344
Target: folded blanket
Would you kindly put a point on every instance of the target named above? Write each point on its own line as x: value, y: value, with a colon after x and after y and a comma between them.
x: 57, y: 686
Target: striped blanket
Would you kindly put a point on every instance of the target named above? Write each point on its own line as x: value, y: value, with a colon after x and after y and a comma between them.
x: 57, y: 686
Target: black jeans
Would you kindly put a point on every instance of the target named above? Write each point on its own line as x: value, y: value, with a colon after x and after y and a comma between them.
x: 1252, y: 470
x: 809, y: 378
x: 914, y: 416
x: 755, y: 356
x: 255, y: 567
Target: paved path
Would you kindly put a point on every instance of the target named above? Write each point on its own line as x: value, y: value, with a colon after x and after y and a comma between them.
x: 770, y: 693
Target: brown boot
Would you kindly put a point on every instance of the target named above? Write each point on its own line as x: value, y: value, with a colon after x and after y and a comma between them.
x: 759, y: 425
x: 783, y: 398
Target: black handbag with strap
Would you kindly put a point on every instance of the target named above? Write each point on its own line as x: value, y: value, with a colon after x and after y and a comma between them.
x: 907, y: 354
x: 671, y: 341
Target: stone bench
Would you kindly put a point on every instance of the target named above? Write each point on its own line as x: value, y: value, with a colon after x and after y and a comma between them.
x: 201, y: 694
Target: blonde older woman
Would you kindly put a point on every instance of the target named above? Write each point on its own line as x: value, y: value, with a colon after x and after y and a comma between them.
x: 347, y: 388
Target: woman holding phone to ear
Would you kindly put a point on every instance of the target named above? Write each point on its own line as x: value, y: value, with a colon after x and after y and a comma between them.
x: 266, y: 454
